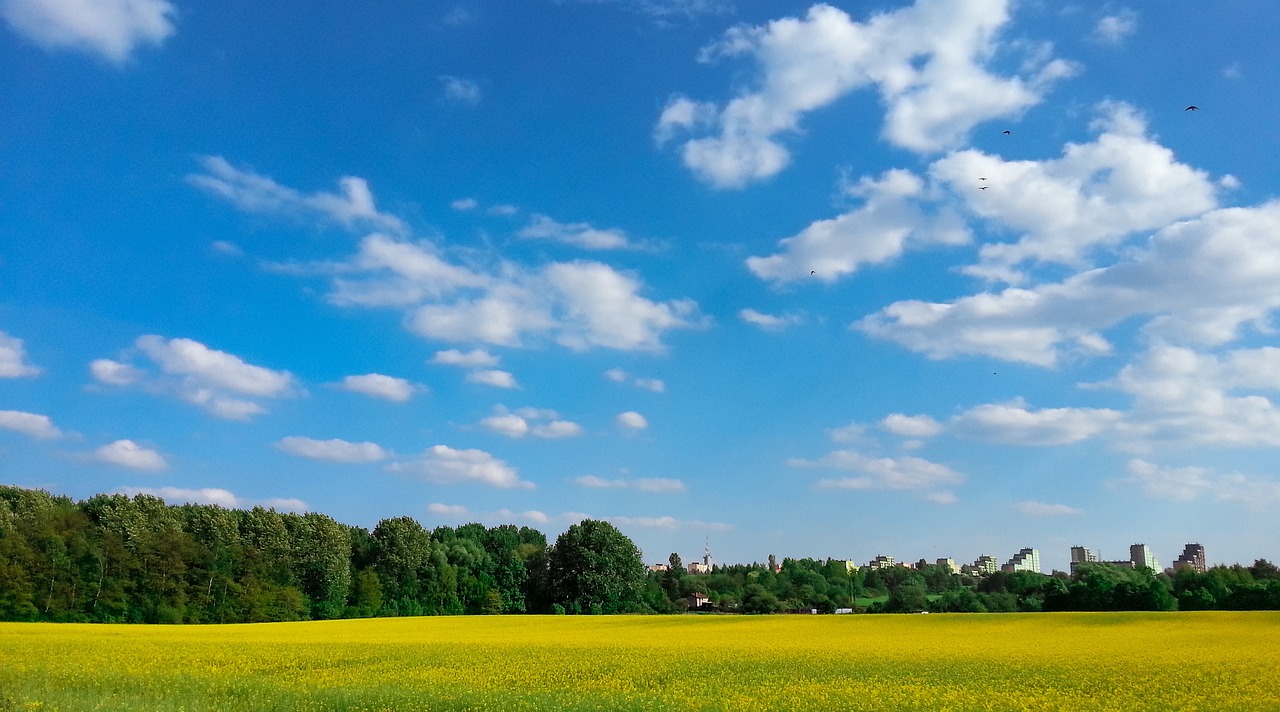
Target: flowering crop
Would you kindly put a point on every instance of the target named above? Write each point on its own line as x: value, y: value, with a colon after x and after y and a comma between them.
x: 1119, y: 661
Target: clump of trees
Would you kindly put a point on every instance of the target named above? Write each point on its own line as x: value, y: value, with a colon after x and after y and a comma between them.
x: 113, y: 558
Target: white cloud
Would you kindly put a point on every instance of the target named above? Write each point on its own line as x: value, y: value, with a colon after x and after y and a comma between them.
x: 1113, y: 29
x: 1032, y: 508
x: 442, y: 464
x: 769, y: 322
x: 669, y: 522
x: 1197, y: 281
x: 493, y: 377
x: 911, y: 426
x: 251, y: 192
x: 644, y: 484
x: 214, y: 495
x: 602, y: 307
x: 503, y: 210
x: 666, y: 9
x: 1186, y: 398
x: 36, y: 426
x: 616, y: 375
x: 889, y: 221
x: 546, y: 424
x: 112, y: 29
x: 211, y: 379
x: 226, y: 247
x: 1094, y: 196
x: 631, y: 421
x: 577, y: 234
x: 130, y: 455
x: 651, y: 384
x: 476, y: 358
x: 13, y: 358
x: 452, y: 510
x: 461, y: 91
x: 1014, y: 424
x: 927, y: 61
x: 557, y: 429
x: 333, y: 450
x: 851, y: 433
x: 903, y: 473
x: 1192, y: 483
x: 380, y: 386
x: 464, y: 204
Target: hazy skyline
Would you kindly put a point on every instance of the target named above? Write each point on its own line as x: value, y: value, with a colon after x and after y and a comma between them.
x: 929, y: 279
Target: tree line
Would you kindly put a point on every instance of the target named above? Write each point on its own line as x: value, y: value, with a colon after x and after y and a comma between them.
x: 116, y: 559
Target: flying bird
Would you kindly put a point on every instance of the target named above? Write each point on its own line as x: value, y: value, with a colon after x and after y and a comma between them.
x: 1006, y: 132
x: 984, y: 187
x: 982, y: 179
x: 1193, y: 107
x: 813, y: 271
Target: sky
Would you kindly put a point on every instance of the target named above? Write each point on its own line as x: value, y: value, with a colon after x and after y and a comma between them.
x: 927, y: 279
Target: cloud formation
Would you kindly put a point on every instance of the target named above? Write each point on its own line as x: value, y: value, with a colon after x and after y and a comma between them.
x: 334, y: 450
x: 444, y: 465
x: 130, y: 455
x: 885, y: 473
x: 32, y: 424
x: 545, y: 424
x: 219, y: 382
x: 111, y: 29
x: 643, y: 484
x: 377, y: 385
x: 13, y: 358
x: 928, y: 62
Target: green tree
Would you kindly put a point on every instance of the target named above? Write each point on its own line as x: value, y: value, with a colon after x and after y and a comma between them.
x: 593, y: 566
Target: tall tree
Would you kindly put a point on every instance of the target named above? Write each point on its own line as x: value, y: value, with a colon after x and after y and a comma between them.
x: 594, y: 568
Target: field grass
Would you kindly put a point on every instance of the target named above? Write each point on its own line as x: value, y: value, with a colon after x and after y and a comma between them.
x: 1117, y: 661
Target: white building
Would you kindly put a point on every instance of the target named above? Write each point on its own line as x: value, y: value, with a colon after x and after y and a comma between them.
x: 1192, y: 556
x: 1024, y: 560
x: 1081, y: 555
x: 1141, y: 557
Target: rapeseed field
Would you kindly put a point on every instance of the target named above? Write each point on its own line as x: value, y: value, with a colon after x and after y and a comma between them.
x: 1104, y: 661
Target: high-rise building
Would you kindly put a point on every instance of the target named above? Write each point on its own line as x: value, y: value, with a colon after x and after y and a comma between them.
x: 1141, y: 557
x: 1024, y: 560
x: 949, y: 564
x: 881, y: 562
x: 1193, y: 556
x: 1081, y: 555
x: 986, y: 564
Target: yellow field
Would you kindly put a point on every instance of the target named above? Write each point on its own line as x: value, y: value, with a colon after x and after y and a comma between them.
x: 1118, y: 661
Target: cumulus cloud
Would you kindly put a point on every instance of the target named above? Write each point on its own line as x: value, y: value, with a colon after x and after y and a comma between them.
x: 1192, y: 483
x: 212, y: 379
x: 530, y: 421
x: 13, y: 358
x: 1015, y: 424
x: 617, y: 375
x: 1198, y: 281
x: 476, y: 358
x: 1064, y: 209
x: 460, y: 91
x: 452, y: 510
x: 890, y: 221
x: 885, y: 473
x: 251, y: 192
x: 377, y: 385
x: 493, y: 377
x: 111, y: 29
x: 669, y: 522
x: 927, y: 61
x: 643, y: 484
x: 582, y: 235
x: 32, y: 424
x: 442, y: 464
x: 1032, y: 508
x: 130, y: 455
x: 214, y: 495
x: 464, y: 204
x: 631, y: 421
x: 333, y: 450
x: 666, y: 10
x: 769, y: 322
x: 1113, y: 29
x: 911, y: 426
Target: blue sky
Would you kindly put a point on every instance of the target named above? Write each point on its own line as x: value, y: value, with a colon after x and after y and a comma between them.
x: 942, y: 278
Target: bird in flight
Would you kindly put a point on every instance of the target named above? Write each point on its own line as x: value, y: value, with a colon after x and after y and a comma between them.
x: 982, y: 179
x: 1006, y: 132
x: 1193, y: 107
x: 984, y: 187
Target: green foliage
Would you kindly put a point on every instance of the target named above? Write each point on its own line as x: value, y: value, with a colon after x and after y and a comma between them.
x: 594, y: 567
